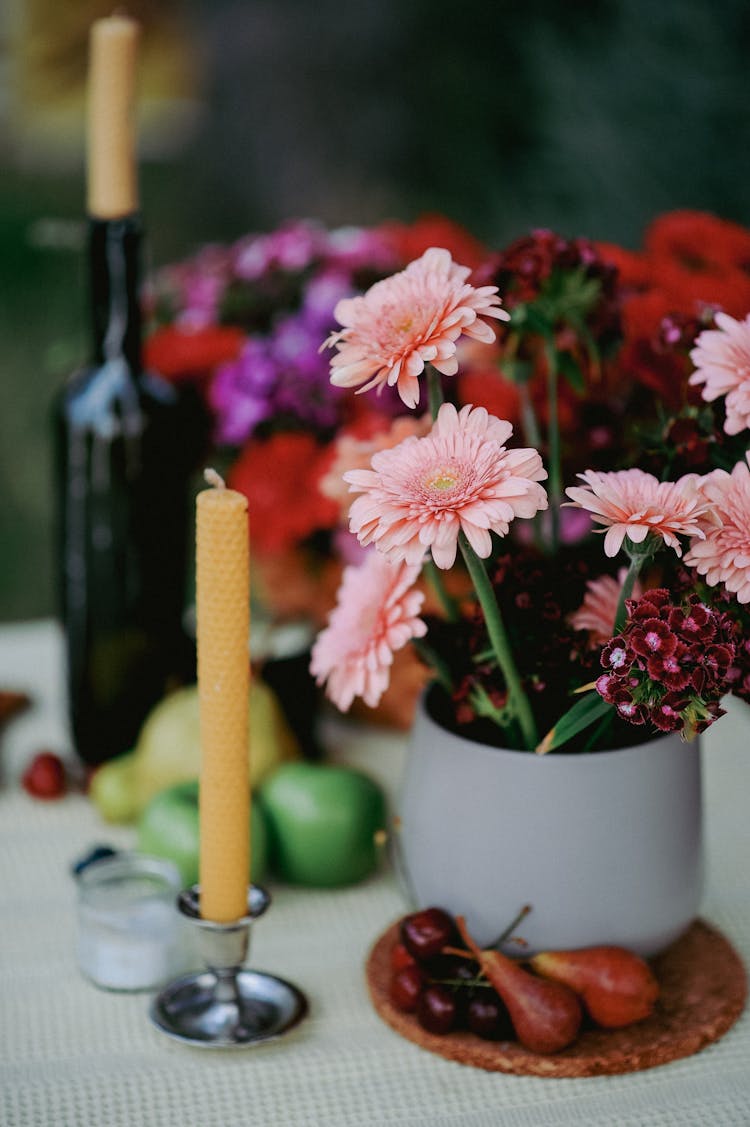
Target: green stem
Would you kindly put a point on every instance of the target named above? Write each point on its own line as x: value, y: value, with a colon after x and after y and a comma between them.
x: 529, y: 421
x: 435, y: 579
x: 517, y: 699
x: 533, y: 437
x: 432, y: 659
x: 553, y: 442
x: 636, y: 563
x: 434, y: 390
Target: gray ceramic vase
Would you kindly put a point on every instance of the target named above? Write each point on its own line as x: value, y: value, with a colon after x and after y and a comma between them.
x: 606, y: 847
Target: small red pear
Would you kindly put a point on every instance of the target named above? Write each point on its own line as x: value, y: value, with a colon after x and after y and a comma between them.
x: 546, y: 1015
x: 617, y: 987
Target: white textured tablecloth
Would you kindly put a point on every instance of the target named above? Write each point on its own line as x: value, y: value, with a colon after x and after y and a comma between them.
x: 74, y: 1056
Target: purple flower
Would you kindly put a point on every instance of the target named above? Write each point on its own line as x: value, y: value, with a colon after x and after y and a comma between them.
x: 302, y: 387
x: 358, y: 248
x: 323, y: 293
x: 197, y: 286
x: 291, y: 248
x: 240, y: 393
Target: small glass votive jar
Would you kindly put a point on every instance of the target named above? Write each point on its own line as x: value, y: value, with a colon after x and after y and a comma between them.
x: 130, y: 934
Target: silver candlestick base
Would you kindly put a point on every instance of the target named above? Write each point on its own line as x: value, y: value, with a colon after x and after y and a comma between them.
x: 225, y: 1006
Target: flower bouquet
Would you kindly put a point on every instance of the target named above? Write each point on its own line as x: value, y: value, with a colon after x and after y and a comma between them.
x: 592, y: 372
x: 625, y: 374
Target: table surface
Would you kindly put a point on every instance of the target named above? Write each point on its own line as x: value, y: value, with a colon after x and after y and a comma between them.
x: 74, y: 1056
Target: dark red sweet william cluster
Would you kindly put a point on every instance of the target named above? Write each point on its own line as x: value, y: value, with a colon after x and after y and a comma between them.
x: 671, y: 664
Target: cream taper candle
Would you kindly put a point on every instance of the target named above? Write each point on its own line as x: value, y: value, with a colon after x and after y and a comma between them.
x: 112, y: 184
x: 223, y: 628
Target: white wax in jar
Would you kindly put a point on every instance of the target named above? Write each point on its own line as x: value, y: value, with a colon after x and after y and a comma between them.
x: 130, y: 933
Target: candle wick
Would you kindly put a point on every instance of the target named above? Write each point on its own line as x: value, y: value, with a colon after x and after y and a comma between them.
x: 211, y: 477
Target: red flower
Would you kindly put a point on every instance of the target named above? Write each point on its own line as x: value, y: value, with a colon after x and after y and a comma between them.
x: 697, y: 622
x: 699, y: 242
x: 689, y: 289
x: 669, y: 670
x: 184, y: 354
x: 629, y: 710
x: 616, y: 655
x: 649, y: 605
x: 434, y: 230
x: 643, y: 313
x: 493, y: 391
x: 279, y: 476
x: 652, y: 636
x: 668, y: 713
x: 632, y: 268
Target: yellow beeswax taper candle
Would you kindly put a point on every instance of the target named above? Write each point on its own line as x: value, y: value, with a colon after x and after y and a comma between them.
x: 223, y: 628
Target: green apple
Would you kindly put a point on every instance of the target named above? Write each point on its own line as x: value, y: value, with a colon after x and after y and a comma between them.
x: 168, y: 751
x: 322, y: 821
x: 169, y: 827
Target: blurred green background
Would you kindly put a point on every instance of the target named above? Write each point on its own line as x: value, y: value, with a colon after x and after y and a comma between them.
x: 589, y: 117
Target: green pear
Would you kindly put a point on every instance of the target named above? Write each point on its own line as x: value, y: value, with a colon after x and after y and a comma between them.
x: 168, y: 751
x: 112, y: 789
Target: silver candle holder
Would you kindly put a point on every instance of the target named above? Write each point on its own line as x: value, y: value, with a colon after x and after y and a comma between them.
x: 226, y: 1006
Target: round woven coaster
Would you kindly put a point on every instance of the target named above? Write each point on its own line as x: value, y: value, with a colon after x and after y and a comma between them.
x: 703, y: 992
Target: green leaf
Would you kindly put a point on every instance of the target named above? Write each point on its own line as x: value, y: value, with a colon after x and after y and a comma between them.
x: 569, y: 296
x: 571, y: 372
x: 584, y: 712
x: 519, y: 371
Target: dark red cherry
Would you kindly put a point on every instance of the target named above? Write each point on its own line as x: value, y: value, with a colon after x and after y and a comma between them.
x: 488, y: 1018
x: 405, y: 988
x: 400, y: 957
x: 425, y: 933
x: 437, y: 1009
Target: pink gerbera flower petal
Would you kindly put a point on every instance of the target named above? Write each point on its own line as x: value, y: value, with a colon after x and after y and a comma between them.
x: 459, y: 478
x: 413, y: 318
x: 356, y: 453
x: 598, y: 610
x: 723, y: 555
x: 722, y: 360
x: 635, y: 504
x: 376, y: 615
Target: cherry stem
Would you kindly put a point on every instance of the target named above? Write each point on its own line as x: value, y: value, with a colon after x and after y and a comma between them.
x: 523, y: 913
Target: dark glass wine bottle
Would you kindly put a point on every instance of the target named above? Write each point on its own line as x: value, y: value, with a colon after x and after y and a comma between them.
x: 126, y: 443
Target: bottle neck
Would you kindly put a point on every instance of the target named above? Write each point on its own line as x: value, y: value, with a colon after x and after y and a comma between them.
x: 114, y: 277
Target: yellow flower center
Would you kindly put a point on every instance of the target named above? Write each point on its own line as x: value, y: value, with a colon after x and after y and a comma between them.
x: 442, y: 480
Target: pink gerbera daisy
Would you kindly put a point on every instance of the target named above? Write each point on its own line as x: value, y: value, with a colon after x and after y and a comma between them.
x: 458, y: 478
x: 722, y: 360
x: 633, y: 503
x: 723, y: 556
x: 405, y: 321
x: 356, y: 453
x: 376, y: 614
x: 598, y: 610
